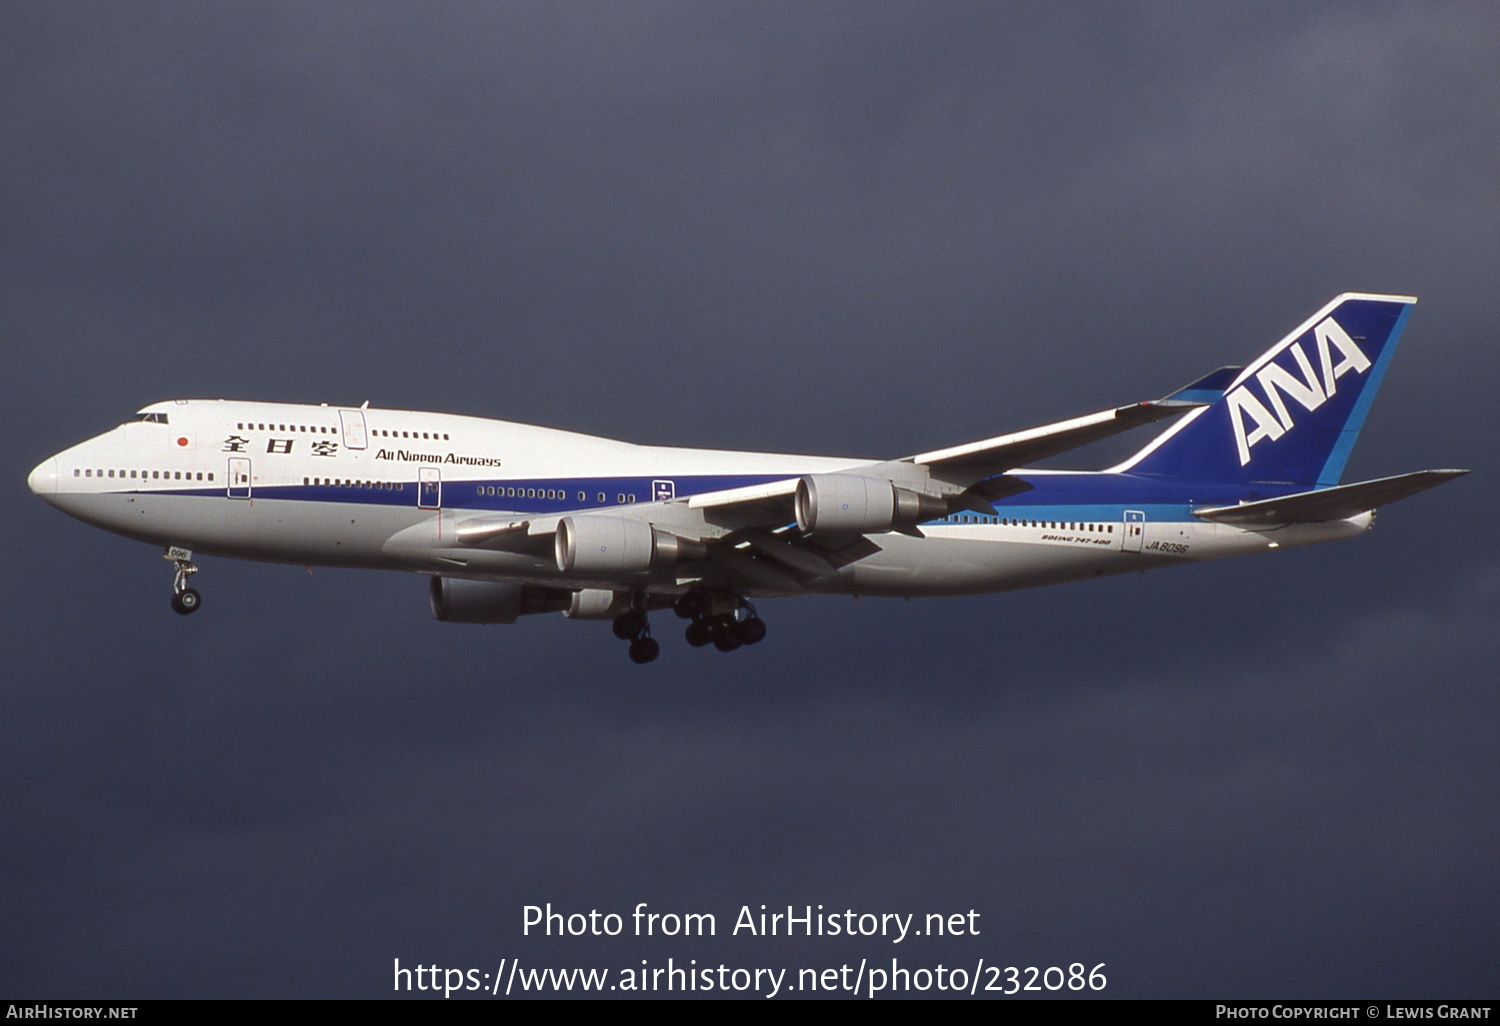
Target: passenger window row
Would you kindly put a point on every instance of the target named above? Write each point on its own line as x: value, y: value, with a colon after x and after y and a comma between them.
x: 525, y: 493
x: 288, y: 428
x: 1061, y: 525
x: 343, y: 482
x: 143, y: 475
x: 432, y: 436
x: 1051, y: 525
x: 501, y: 491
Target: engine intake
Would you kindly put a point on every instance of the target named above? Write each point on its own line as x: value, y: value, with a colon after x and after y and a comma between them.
x: 852, y: 504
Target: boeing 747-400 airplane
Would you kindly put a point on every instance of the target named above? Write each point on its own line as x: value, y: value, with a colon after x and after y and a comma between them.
x: 508, y: 519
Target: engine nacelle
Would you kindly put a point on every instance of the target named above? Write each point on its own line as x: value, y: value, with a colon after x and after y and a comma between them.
x: 454, y: 600
x: 597, y: 604
x: 615, y: 545
x: 852, y: 504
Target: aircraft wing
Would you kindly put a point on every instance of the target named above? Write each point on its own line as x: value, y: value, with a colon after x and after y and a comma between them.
x: 1328, y: 503
x: 750, y: 533
x: 990, y: 457
x: 768, y: 504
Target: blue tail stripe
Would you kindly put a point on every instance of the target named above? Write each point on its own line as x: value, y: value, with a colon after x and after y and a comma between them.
x: 1334, y: 468
x: 1292, y: 416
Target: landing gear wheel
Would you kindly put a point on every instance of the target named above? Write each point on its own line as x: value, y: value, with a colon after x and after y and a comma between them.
x: 752, y: 631
x: 629, y: 625
x: 643, y: 650
x: 698, y: 634
x: 726, y: 634
x: 690, y: 606
x: 184, y: 599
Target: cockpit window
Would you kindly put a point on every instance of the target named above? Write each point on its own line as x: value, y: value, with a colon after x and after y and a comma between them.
x: 151, y: 418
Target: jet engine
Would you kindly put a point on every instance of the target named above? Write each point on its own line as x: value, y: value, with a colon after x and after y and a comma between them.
x: 454, y: 600
x: 615, y: 545
x: 852, y: 504
x: 597, y: 604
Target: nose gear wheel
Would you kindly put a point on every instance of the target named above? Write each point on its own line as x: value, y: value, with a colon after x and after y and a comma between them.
x: 185, y: 600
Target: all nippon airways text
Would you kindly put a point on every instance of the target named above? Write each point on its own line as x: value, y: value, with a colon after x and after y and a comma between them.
x: 757, y: 921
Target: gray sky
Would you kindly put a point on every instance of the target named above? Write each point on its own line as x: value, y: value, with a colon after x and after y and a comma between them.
x: 864, y: 229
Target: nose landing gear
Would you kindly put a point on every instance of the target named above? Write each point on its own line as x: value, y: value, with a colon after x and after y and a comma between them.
x: 185, y: 600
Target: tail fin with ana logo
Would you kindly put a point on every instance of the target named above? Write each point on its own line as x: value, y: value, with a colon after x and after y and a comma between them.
x: 1292, y: 415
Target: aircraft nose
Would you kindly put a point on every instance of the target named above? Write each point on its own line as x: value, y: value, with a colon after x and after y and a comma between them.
x: 43, y: 479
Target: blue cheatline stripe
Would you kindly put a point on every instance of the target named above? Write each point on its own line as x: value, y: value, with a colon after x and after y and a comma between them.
x: 1084, y: 496
x: 472, y: 494
x: 1103, y: 514
x: 1333, y: 469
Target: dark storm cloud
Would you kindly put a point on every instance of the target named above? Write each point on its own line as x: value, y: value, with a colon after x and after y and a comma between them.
x: 866, y: 228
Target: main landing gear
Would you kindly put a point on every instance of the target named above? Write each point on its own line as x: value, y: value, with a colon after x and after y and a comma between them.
x: 635, y: 628
x: 185, y: 600
x: 723, y: 620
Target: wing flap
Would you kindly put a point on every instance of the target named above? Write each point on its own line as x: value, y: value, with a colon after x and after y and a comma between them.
x: 795, y: 556
x: 758, y: 571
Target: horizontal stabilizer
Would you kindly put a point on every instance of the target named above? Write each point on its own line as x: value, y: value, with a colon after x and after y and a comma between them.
x: 1328, y: 503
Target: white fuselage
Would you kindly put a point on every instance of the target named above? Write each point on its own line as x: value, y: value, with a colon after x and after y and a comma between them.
x: 389, y: 489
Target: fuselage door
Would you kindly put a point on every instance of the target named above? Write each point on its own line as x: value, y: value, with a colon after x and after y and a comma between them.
x: 1135, y: 530
x: 429, y: 488
x: 239, y: 477
x: 353, y: 423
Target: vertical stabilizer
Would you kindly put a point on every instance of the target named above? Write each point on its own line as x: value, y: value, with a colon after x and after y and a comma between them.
x: 1293, y: 414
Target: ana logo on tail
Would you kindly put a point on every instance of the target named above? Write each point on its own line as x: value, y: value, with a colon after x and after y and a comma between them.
x: 1310, y: 387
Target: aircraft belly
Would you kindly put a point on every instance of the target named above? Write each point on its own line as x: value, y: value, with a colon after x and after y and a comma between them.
x: 938, y: 565
x: 276, y: 530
